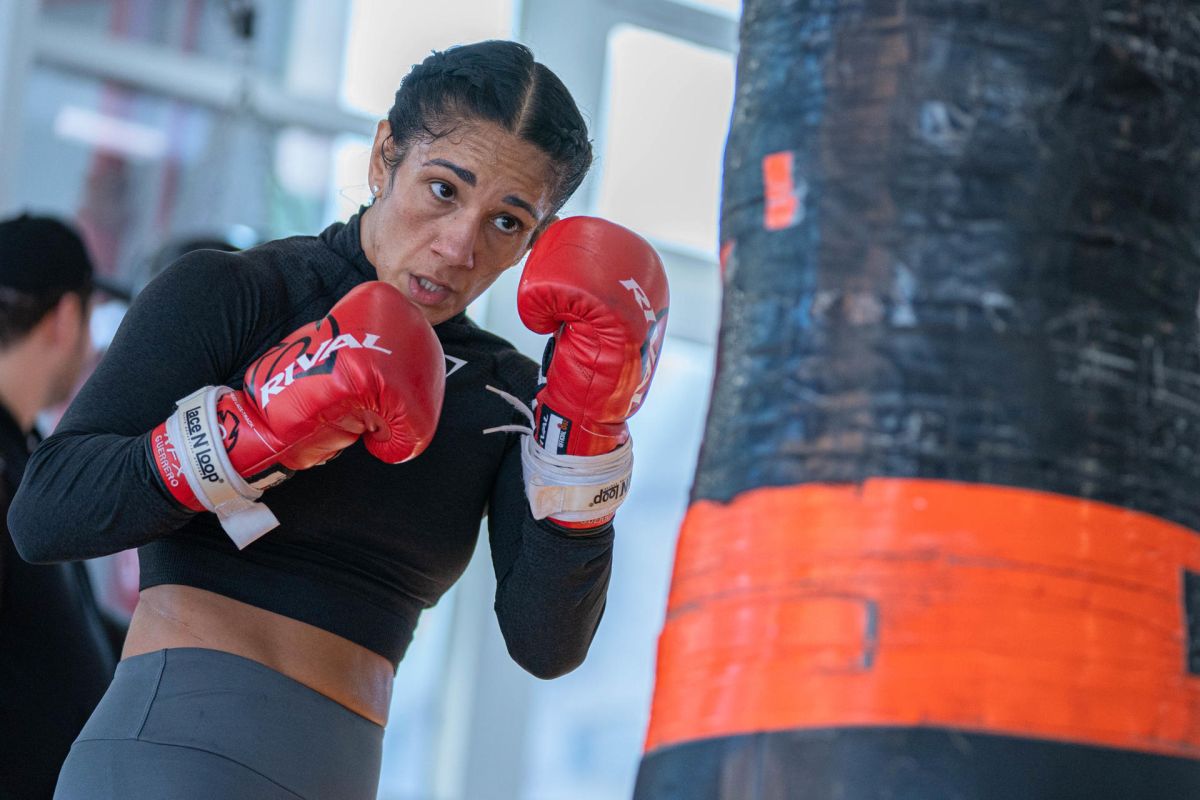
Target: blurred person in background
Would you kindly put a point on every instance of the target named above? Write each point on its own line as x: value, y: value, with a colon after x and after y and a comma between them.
x: 56, y: 646
x: 174, y: 249
x: 348, y: 426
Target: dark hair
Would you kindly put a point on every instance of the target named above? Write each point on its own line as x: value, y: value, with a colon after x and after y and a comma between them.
x: 495, y: 81
x: 21, y: 311
x: 41, y: 260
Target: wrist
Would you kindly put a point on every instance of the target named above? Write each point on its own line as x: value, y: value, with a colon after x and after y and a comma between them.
x: 561, y: 531
x: 582, y: 526
x: 193, y: 436
x: 166, y: 459
x: 576, y: 492
x: 573, y: 494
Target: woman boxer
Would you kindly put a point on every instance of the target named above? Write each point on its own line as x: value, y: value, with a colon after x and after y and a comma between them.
x: 260, y: 657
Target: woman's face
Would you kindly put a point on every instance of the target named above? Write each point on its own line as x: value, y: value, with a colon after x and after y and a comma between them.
x: 454, y: 214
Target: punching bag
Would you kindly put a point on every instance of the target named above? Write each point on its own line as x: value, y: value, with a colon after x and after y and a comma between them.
x: 943, y: 537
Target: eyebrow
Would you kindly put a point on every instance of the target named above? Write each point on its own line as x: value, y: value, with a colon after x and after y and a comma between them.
x: 513, y: 200
x: 466, y: 176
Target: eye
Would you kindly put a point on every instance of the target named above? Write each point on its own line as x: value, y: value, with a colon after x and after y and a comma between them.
x: 507, y: 224
x: 442, y: 190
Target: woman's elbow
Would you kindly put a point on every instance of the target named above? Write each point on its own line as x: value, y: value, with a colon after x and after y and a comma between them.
x: 40, y: 524
x: 543, y: 656
x: 546, y: 665
x: 31, y: 540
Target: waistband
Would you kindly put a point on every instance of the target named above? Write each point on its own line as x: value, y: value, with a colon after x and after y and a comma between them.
x: 239, y: 709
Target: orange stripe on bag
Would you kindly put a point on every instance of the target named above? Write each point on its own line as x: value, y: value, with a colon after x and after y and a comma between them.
x: 929, y: 603
x: 782, y: 204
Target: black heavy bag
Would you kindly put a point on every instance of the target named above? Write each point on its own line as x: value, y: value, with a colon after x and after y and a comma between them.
x: 943, y: 536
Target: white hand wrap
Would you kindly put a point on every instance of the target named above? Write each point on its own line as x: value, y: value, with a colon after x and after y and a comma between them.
x: 569, y: 488
x: 575, y: 488
x: 194, y: 430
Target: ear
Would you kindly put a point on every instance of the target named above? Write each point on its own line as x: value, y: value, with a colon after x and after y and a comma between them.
x: 377, y: 170
x: 66, y: 319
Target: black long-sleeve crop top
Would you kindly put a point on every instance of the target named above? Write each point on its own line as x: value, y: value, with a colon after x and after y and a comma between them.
x: 362, y: 546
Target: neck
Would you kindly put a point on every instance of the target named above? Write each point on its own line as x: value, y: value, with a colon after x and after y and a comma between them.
x: 23, y: 384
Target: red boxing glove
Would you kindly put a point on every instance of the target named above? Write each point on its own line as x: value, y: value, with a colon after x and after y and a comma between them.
x: 372, y: 367
x: 601, y: 290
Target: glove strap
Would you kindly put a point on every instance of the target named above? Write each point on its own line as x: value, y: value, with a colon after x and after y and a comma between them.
x: 568, y: 488
x: 575, y: 488
x: 209, y: 472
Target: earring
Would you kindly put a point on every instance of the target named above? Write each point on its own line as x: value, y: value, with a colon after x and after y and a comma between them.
x: 374, y: 190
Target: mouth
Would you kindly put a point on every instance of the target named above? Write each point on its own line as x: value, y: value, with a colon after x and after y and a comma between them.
x: 427, y: 292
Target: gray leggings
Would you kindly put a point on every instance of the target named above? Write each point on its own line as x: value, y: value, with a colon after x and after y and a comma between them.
x: 193, y: 724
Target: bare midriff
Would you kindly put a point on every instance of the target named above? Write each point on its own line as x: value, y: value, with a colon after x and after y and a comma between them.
x: 171, y: 615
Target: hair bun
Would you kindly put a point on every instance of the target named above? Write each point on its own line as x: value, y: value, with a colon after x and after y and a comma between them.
x: 575, y: 136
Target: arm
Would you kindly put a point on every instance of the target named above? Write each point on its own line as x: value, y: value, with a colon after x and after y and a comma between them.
x: 550, y: 584
x: 371, y: 368
x: 601, y: 291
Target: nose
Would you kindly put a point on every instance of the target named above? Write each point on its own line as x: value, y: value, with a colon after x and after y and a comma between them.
x: 455, y: 242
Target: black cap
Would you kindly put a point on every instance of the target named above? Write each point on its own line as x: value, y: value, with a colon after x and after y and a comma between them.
x: 42, y: 256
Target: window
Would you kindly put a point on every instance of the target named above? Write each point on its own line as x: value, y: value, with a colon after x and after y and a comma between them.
x: 348, y: 190
x: 115, y: 158
x: 666, y: 118
x: 137, y: 169
x: 200, y: 27
x: 731, y: 8
x: 386, y: 38
x: 410, y: 740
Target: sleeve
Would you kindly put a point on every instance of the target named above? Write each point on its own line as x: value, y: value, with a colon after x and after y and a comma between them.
x: 5, y: 546
x: 91, y: 488
x: 550, y: 585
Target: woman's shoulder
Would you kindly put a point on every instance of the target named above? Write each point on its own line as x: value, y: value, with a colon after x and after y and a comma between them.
x: 259, y: 289
x: 291, y: 258
x: 218, y: 269
x: 293, y: 267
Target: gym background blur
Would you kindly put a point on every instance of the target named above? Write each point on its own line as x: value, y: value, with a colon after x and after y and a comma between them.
x: 154, y: 122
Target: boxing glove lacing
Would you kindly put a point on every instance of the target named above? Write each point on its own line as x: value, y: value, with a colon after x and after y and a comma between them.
x: 195, y: 431
x: 568, y: 488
